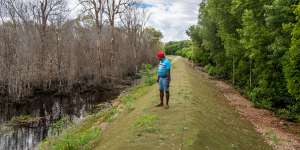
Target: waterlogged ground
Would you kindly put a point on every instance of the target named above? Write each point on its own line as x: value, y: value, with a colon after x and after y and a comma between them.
x: 198, y: 118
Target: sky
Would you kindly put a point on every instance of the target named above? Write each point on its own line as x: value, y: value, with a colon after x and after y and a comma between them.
x: 171, y: 17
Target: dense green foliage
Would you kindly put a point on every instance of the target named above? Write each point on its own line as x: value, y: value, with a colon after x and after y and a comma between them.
x: 171, y: 48
x: 254, y: 43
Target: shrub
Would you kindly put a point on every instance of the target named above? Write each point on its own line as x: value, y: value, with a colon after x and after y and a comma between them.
x: 148, y: 77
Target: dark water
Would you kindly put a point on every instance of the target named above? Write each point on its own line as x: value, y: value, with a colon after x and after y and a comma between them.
x: 50, y: 109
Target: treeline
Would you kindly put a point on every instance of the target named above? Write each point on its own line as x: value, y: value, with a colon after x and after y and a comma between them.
x: 256, y: 45
x: 173, y: 47
x: 42, y: 49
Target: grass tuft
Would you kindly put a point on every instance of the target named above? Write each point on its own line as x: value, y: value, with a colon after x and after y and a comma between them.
x: 128, y: 102
x: 23, y: 120
x: 147, y: 123
x: 111, y: 114
x: 73, y: 141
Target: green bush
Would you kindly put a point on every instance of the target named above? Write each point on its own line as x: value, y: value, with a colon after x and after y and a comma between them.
x: 148, y: 76
x: 291, y: 113
x: 213, y: 71
x: 174, y: 47
x: 58, y: 126
x: 186, y: 52
x: 254, y: 43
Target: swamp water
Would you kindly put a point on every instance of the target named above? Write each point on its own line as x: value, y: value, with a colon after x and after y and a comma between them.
x: 48, y: 110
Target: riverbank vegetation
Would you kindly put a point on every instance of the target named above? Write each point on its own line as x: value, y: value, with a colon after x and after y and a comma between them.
x: 43, y: 49
x: 86, y: 134
x: 23, y: 120
x: 255, y: 45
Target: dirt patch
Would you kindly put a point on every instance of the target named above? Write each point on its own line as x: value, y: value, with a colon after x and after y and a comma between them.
x: 281, y: 134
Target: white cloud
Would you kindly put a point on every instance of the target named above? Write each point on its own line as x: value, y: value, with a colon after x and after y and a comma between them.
x: 74, y: 8
x: 173, y: 17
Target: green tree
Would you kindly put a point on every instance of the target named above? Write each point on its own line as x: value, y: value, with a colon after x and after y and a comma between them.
x: 172, y: 47
x: 255, y: 44
x: 154, y: 34
x: 292, y: 69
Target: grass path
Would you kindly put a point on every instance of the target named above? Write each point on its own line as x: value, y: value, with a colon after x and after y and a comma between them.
x: 198, y: 118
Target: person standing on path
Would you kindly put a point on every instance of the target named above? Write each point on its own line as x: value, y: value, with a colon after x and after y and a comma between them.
x: 163, y: 78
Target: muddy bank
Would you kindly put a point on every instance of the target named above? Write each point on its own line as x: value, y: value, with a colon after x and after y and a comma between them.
x: 48, y: 108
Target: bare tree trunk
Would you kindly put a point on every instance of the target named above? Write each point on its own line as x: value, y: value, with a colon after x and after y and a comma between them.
x: 250, y: 78
x: 233, y: 70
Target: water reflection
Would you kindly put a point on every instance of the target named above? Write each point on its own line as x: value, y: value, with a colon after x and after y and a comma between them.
x: 49, y: 109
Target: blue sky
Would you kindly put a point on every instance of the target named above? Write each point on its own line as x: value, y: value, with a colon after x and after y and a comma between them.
x: 171, y: 17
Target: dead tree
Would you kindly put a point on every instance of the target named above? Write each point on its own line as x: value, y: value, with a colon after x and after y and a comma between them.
x: 39, y: 45
x: 113, y: 9
x: 134, y: 20
x: 2, y: 11
x: 43, y: 11
x: 95, y: 9
x: 15, y: 10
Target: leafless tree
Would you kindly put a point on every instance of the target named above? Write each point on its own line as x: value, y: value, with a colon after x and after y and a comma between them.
x: 116, y: 7
x: 134, y: 20
x: 43, y: 11
x: 2, y: 11
x: 113, y: 9
x: 94, y: 9
x: 42, y: 49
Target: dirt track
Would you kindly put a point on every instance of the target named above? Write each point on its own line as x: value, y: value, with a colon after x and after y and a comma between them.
x: 199, y: 117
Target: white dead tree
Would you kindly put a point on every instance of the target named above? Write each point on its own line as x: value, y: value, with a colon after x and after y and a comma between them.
x: 94, y: 9
x: 15, y: 11
x: 134, y: 20
x: 2, y: 11
x: 40, y: 49
x: 43, y: 11
x: 113, y: 9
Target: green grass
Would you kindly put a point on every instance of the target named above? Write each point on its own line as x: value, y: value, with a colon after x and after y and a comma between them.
x: 147, y: 123
x: 82, y: 135
x: 189, y: 142
x: 70, y: 141
x: 128, y: 101
x: 197, y: 119
x: 86, y: 134
x: 111, y: 114
x: 58, y: 126
x: 272, y: 136
x: 75, y: 137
